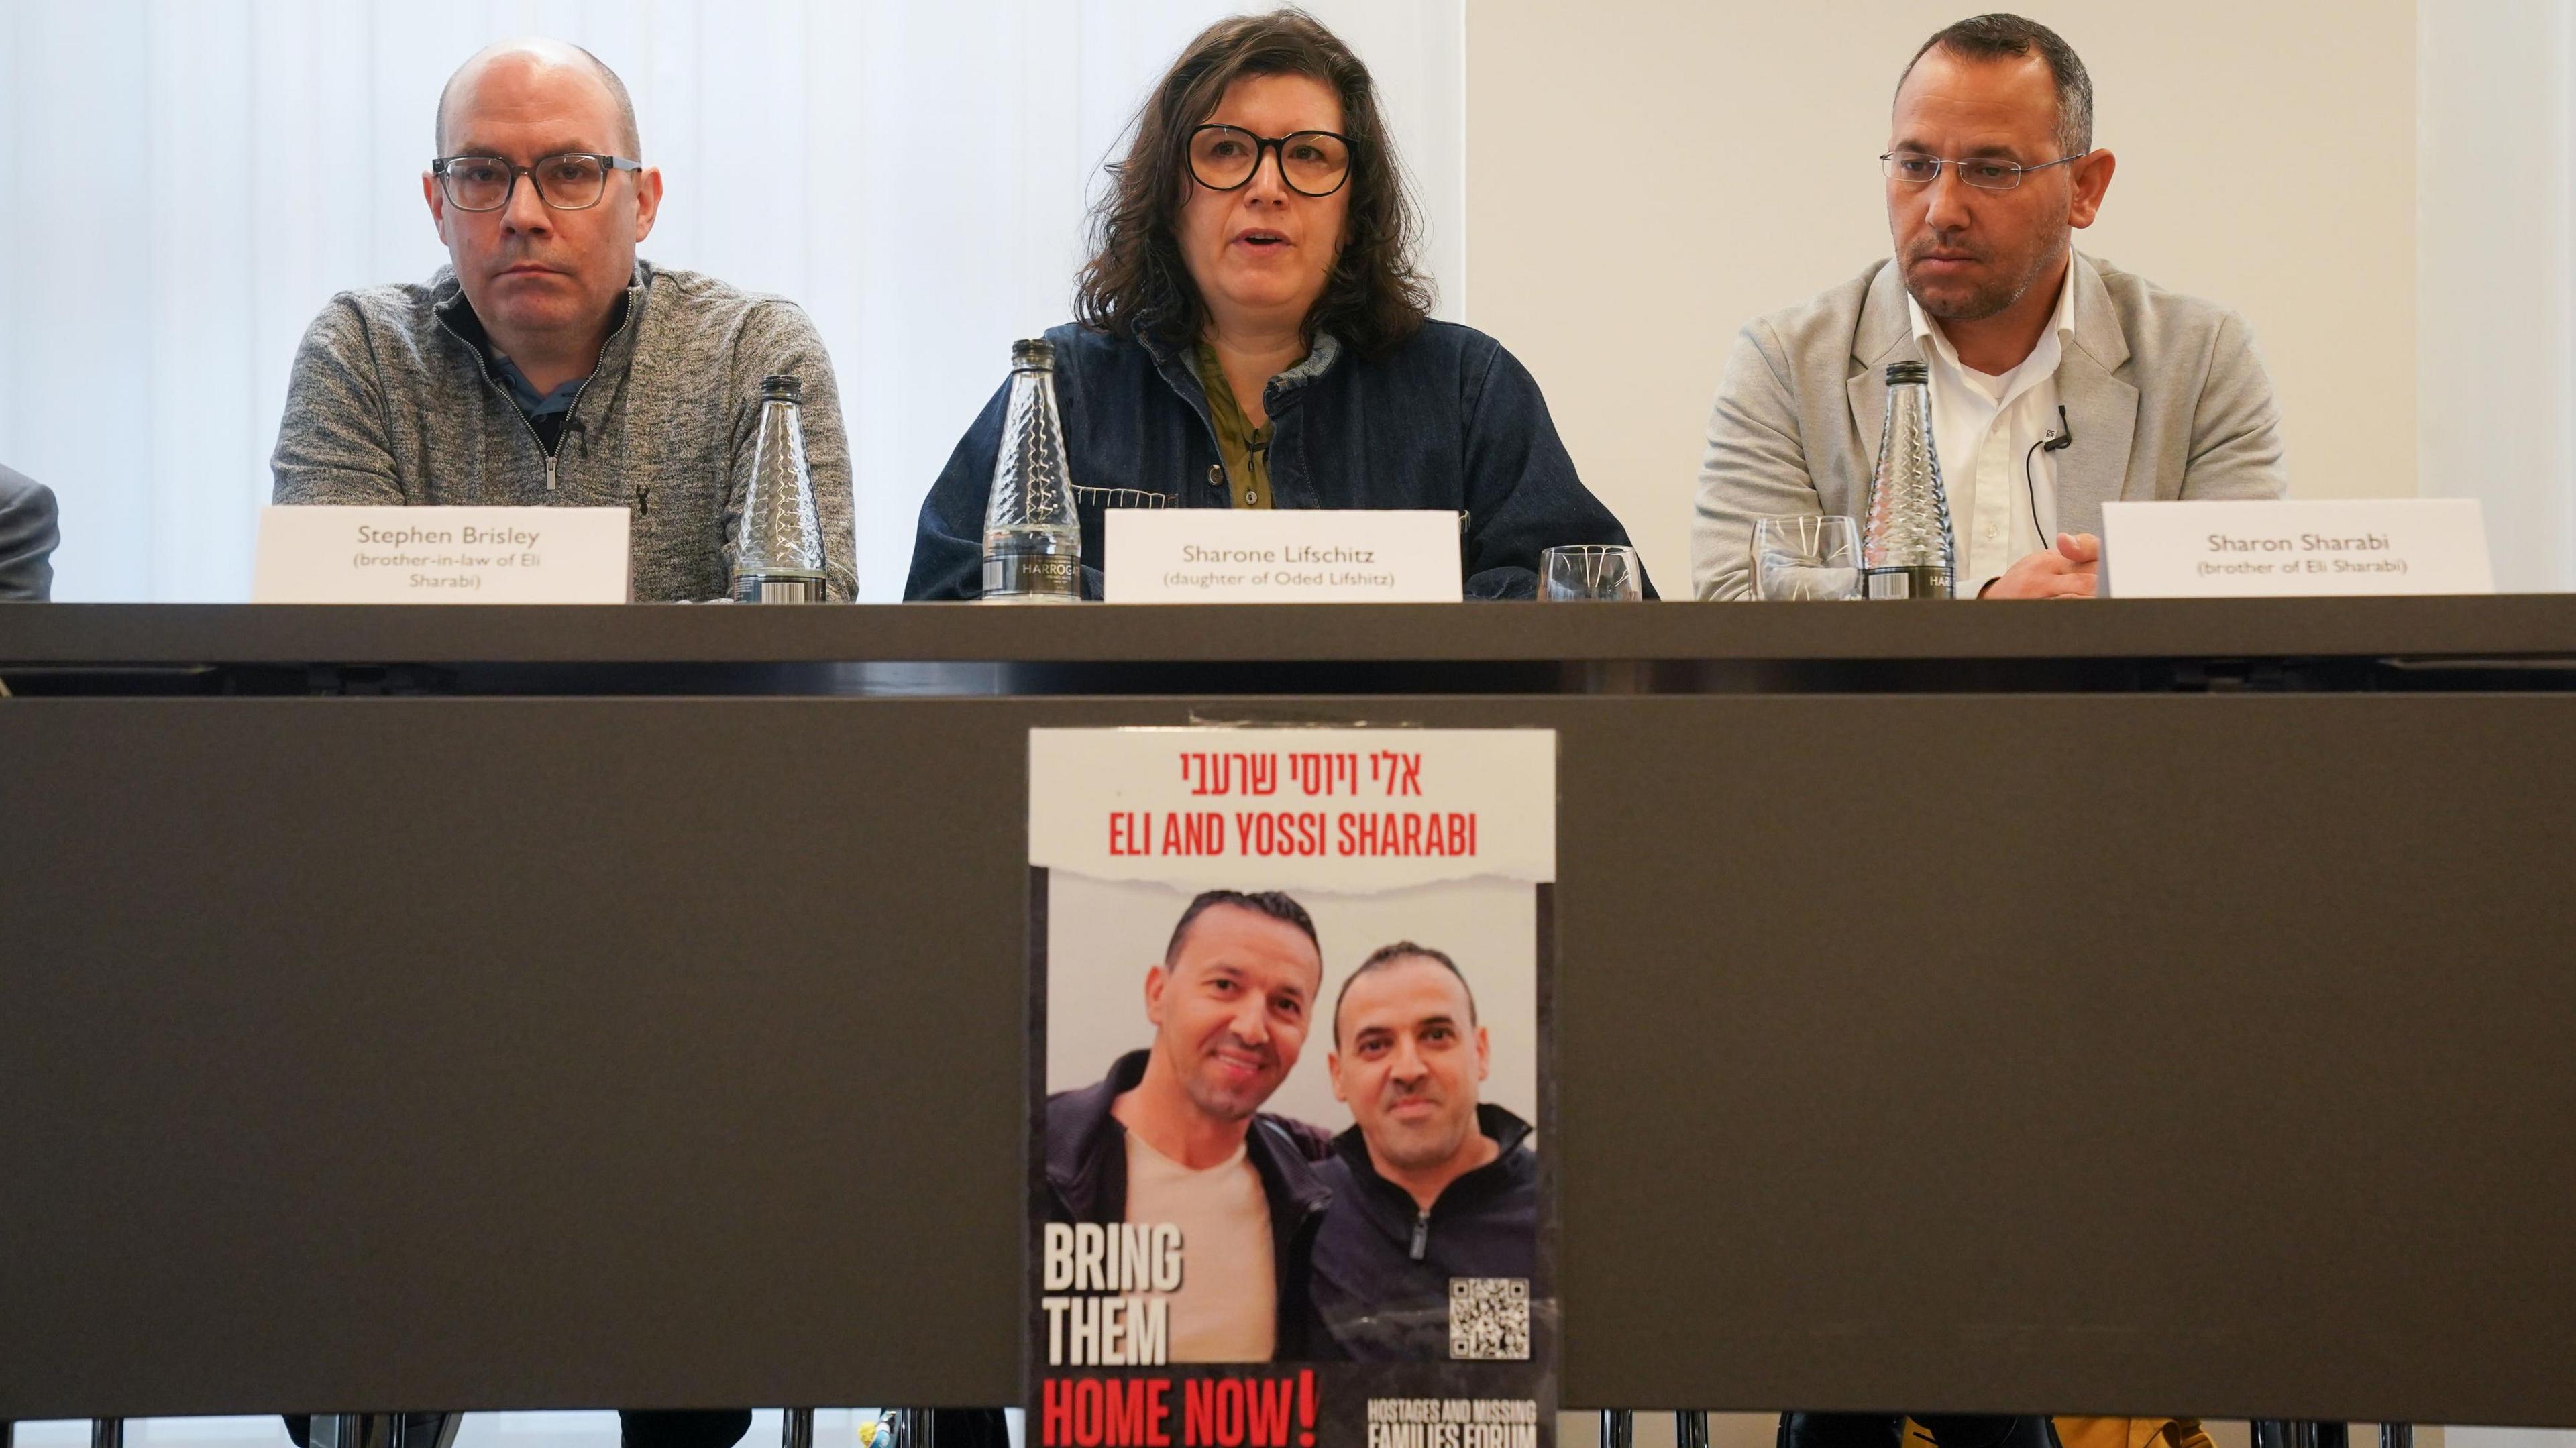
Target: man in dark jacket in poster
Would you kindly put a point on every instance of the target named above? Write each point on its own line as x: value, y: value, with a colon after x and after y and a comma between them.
x: 1175, y: 1135
x: 1430, y: 1189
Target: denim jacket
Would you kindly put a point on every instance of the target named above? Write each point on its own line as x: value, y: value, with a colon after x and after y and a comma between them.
x: 1448, y: 420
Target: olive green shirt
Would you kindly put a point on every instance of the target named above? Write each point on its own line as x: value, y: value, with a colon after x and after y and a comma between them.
x: 1245, y: 448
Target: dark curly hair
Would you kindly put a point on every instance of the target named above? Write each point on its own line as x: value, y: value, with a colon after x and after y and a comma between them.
x: 1136, y: 284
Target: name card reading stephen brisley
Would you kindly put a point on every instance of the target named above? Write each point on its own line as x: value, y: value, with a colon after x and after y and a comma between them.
x: 1212, y: 555
x: 441, y: 555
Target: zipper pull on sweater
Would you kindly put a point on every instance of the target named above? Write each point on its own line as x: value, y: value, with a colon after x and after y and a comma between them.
x: 550, y: 472
x: 1421, y: 1235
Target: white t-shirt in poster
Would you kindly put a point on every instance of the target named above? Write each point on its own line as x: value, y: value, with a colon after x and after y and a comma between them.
x: 1227, y: 1310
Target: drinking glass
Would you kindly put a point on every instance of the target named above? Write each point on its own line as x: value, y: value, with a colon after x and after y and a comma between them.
x: 1599, y: 572
x: 1804, y: 556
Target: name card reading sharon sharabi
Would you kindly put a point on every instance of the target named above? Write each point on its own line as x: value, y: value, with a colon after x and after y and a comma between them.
x: 1280, y: 555
x: 2306, y: 549
x: 441, y: 555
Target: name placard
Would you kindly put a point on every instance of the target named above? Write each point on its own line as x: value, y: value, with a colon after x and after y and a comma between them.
x: 441, y: 555
x: 1296, y: 555
x: 2308, y: 549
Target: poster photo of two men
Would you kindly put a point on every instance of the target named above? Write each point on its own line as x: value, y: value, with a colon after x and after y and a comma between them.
x: 1288, y: 1173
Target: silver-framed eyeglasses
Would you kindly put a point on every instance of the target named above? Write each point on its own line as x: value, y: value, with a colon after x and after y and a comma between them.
x: 1313, y: 163
x: 1986, y: 173
x: 567, y: 181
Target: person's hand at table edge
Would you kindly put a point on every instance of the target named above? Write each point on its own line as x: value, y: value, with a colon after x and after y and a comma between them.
x: 2072, y: 569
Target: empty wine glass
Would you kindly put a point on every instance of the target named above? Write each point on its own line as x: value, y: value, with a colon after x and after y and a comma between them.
x: 1806, y: 556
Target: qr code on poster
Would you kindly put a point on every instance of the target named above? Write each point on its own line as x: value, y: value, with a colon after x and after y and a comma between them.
x: 1489, y: 1319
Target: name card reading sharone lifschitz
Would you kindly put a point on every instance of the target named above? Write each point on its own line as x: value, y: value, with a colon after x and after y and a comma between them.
x: 1292, y: 555
x: 441, y: 555
x: 2309, y: 549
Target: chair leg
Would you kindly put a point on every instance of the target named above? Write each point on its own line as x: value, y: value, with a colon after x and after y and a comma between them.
x: 908, y: 1428
x: 107, y: 1433
x: 1618, y: 1428
x: 384, y: 1430
x: 1690, y: 1429
x: 2396, y: 1435
x: 796, y: 1428
x: 2277, y: 1433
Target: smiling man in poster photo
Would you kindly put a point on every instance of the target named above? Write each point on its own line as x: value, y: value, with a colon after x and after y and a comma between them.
x: 1431, y: 1186
x: 1176, y: 1135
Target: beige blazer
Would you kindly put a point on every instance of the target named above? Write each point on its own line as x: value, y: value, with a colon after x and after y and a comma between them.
x: 2164, y: 394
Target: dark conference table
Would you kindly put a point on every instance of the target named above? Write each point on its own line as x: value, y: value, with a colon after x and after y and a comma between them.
x: 2130, y: 1007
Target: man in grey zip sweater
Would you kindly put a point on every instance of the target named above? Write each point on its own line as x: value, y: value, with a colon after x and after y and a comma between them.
x: 547, y: 364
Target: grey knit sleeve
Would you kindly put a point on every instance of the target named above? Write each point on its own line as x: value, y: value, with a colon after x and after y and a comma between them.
x: 331, y: 441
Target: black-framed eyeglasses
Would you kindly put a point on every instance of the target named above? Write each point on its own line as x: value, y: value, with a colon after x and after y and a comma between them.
x: 1986, y: 173
x: 567, y: 181
x: 1313, y: 163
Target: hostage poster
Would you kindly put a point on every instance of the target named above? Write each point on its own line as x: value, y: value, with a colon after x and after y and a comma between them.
x: 1290, y: 1178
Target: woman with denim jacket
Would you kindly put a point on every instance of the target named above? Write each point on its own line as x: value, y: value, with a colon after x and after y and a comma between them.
x: 1253, y: 333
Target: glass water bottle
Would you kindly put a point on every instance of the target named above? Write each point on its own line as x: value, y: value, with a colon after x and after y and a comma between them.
x: 1907, y: 550
x: 1032, y: 538
x: 778, y: 558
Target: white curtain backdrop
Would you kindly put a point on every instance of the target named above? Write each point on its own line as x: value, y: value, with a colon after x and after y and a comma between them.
x: 2495, y: 350
x: 183, y: 183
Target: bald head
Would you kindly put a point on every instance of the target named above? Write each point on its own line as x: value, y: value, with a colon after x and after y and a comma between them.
x: 544, y: 278
x: 536, y: 69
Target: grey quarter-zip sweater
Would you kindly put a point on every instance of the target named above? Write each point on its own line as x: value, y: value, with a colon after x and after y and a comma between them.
x: 394, y: 400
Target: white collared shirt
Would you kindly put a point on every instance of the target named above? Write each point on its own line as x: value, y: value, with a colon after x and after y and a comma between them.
x: 1984, y: 429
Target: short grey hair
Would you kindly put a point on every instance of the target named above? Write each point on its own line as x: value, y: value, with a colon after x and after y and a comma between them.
x: 630, y: 143
x: 2010, y: 37
x: 1389, y: 955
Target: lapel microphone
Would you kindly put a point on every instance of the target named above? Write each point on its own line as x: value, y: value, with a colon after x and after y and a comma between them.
x: 2058, y: 441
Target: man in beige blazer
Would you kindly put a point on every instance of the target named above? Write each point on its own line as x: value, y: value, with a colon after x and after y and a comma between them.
x: 2059, y: 382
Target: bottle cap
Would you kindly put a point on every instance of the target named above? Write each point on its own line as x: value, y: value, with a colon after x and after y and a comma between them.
x: 1033, y: 352
x: 780, y: 387
x: 1898, y: 372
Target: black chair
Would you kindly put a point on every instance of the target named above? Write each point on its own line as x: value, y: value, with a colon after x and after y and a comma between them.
x: 2299, y: 1433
